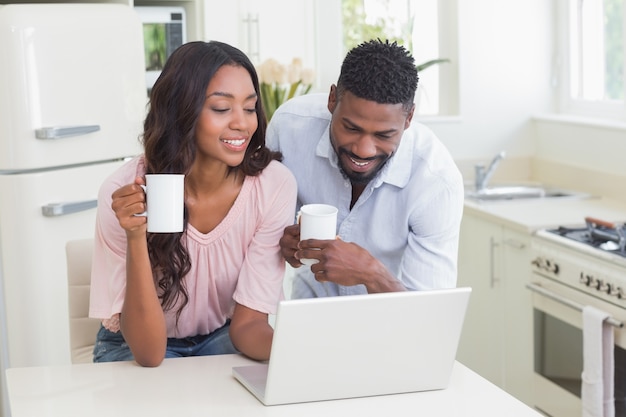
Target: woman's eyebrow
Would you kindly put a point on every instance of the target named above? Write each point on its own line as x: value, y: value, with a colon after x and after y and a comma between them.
x: 229, y: 95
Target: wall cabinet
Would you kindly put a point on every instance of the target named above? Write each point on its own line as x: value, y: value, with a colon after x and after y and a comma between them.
x: 497, y: 339
x: 279, y: 29
x: 283, y: 30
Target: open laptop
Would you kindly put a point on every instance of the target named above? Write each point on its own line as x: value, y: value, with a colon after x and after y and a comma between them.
x: 359, y: 345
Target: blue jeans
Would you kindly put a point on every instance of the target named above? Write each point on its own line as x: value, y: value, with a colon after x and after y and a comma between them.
x: 111, y: 347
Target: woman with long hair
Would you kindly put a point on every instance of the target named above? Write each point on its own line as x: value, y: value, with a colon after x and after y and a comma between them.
x: 209, y: 289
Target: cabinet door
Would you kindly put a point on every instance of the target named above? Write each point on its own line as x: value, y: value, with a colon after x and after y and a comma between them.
x: 481, y: 345
x: 518, y: 314
x: 261, y: 30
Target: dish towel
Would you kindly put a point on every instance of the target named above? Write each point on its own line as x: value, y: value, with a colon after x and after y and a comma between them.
x: 598, y: 364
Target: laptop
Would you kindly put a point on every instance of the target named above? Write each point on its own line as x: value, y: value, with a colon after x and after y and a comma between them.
x: 359, y: 345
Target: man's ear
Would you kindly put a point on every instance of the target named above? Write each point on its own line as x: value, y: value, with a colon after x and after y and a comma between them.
x: 332, y: 98
x: 409, y: 117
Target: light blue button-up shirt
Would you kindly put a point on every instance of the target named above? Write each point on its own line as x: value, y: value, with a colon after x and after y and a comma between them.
x: 408, y: 217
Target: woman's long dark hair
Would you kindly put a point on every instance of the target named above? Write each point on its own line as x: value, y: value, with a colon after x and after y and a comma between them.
x: 169, y: 141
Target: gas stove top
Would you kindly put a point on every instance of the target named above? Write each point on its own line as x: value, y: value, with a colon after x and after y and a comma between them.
x: 602, y: 235
x: 590, y: 258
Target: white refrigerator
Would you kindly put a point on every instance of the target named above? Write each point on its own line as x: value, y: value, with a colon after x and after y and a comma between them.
x: 72, y: 104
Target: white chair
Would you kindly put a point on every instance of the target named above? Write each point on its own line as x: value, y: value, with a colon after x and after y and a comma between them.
x: 82, y: 328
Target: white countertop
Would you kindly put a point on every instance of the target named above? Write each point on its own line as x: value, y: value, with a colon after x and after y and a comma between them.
x: 204, y: 386
x: 533, y: 214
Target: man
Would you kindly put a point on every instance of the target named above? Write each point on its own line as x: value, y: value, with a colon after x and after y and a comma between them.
x: 398, y: 190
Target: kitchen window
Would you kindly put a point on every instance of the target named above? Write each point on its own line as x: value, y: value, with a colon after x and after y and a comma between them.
x: 316, y: 34
x: 428, y: 28
x: 590, y: 54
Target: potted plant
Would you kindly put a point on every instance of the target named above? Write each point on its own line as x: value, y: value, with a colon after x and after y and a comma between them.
x: 279, y: 83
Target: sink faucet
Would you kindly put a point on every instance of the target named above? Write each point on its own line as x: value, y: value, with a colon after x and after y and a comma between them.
x: 484, y: 175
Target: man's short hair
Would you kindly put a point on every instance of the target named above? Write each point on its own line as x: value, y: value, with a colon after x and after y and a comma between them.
x: 379, y: 71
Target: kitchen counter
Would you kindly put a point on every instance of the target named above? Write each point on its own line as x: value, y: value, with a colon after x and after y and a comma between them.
x: 533, y: 214
x: 496, y: 251
x: 204, y: 386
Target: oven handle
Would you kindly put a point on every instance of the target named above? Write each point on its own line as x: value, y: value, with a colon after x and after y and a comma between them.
x: 539, y: 289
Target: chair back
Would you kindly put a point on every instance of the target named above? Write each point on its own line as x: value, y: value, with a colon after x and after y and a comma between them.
x: 83, y: 329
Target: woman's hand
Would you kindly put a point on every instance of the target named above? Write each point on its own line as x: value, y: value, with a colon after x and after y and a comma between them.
x: 129, y: 201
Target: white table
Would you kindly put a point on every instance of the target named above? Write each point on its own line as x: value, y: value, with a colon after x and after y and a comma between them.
x: 204, y: 386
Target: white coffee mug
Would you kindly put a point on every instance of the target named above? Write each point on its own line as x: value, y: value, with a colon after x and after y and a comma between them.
x: 165, y: 202
x: 317, y: 221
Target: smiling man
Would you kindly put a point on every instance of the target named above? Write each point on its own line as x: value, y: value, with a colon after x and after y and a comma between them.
x: 398, y: 190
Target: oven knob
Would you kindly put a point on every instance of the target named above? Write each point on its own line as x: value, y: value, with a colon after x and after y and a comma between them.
x: 585, y: 279
x: 604, y: 286
x: 591, y: 281
x: 609, y: 288
x: 616, y: 291
x: 599, y: 285
x: 551, y: 267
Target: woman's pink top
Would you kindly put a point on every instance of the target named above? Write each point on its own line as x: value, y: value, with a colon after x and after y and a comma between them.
x: 238, y: 261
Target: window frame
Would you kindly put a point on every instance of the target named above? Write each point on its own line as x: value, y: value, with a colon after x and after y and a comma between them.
x: 563, y: 61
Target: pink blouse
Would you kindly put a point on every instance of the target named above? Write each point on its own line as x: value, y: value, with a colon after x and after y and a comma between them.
x: 239, y: 261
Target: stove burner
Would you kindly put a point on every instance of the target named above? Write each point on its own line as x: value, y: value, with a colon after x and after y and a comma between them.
x: 602, y: 235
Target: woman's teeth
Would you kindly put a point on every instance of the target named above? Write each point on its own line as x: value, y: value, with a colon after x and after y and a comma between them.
x: 237, y: 142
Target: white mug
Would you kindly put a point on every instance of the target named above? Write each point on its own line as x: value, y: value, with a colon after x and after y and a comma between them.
x: 317, y: 221
x: 165, y: 202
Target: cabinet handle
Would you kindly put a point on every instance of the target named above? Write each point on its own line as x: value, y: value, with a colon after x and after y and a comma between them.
x: 565, y: 301
x: 61, y: 209
x: 492, y: 259
x: 57, y: 132
x: 514, y: 243
x: 253, y: 35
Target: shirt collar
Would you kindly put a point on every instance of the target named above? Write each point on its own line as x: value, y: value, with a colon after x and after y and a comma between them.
x: 397, y: 170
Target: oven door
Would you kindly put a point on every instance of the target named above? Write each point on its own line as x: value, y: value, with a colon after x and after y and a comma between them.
x: 558, y: 348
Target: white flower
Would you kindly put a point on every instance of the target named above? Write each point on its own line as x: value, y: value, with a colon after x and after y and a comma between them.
x: 308, y: 76
x: 267, y: 71
x: 293, y: 74
x: 279, y: 83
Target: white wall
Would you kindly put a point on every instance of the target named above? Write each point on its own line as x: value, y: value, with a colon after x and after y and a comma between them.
x: 505, y: 69
x: 506, y: 52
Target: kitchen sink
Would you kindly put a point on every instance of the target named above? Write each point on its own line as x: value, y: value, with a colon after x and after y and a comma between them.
x: 520, y: 192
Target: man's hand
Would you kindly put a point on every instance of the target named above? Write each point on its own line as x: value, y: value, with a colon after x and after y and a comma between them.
x: 347, y: 264
x: 289, y: 244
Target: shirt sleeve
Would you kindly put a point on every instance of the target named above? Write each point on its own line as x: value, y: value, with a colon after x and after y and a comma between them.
x: 261, y: 280
x: 108, y: 273
x: 430, y: 257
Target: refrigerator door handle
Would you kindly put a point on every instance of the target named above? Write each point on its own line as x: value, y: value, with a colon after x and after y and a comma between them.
x: 58, y: 132
x: 61, y: 209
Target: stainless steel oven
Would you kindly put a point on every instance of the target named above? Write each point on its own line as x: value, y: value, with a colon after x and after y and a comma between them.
x: 568, y: 275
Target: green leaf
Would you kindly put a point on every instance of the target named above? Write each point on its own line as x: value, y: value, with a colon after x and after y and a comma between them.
x: 424, y: 65
x: 293, y: 89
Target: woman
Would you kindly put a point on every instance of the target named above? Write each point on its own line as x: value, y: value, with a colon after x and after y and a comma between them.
x: 209, y: 289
